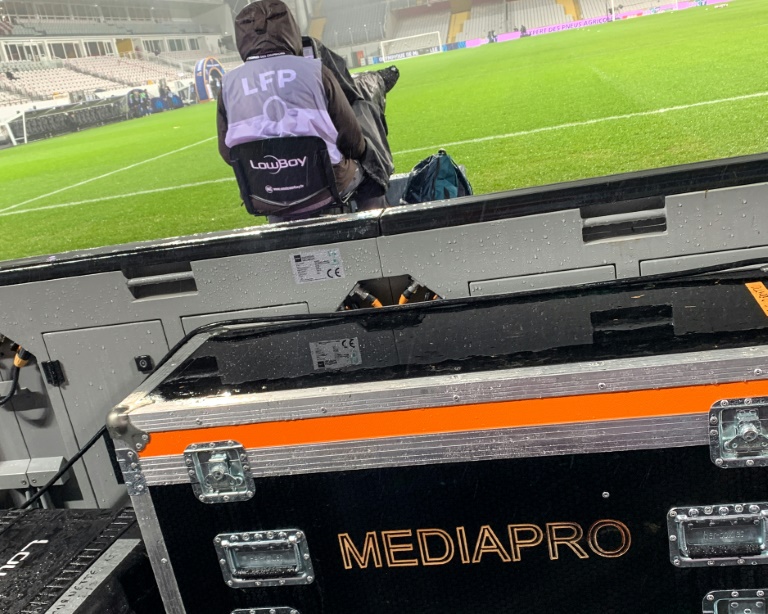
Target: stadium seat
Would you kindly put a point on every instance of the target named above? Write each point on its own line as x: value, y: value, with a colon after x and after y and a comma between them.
x: 288, y: 177
x: 126, y: 71
x: 10, y: 98
x: 36, y: 82
x: 537, y: 13
x: 484, y: 18
x: 438, y: 20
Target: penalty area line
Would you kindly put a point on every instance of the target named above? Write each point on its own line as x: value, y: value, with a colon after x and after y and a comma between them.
x: 588, y: 122
x: 109, y: 174
x: 6, y: 212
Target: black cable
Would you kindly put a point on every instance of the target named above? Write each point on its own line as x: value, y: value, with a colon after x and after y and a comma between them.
x: 65, y: 468
x: 14, y: 384
x: 20, y: 360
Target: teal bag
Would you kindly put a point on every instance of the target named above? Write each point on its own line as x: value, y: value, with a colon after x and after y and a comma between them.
x: 437, y: 177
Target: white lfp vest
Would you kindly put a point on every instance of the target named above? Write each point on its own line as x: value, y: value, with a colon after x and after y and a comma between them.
x: 278, y: 96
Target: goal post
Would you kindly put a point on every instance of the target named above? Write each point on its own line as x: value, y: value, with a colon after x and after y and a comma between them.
x: 411, y: 46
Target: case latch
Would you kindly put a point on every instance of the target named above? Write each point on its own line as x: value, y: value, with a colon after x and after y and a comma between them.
x: 738, y: 433
x: 734, y: 602
x: 219, y: 472
x: 264, y: 558
x: 718, y: 535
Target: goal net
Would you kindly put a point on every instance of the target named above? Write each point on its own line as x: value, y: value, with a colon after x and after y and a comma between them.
x: 410, y: 46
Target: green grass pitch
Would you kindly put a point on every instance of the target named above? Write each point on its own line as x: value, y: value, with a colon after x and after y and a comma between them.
x: 703, y: 69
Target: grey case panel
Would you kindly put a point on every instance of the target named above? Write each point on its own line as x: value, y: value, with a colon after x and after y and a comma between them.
x: 446, y: 259
x: 262, y: 280
x: 677, y: 263
x: 230, y: 283
x: 99, y: 305
x: 32, y: 431
x: 543, y: 281
x: 99, y: 367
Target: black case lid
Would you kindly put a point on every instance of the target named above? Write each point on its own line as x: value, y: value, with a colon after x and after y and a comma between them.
x: 597, y: 322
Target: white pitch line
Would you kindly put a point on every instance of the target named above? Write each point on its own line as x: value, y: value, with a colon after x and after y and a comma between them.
x: 119, y: 170
x: 5, y: 212
x: 588, y: 122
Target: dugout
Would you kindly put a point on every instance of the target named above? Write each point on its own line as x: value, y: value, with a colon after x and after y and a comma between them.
x: 97, y: 321
x: 37, y: 124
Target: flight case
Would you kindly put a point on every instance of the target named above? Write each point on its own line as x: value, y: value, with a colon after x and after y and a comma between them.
x: 592, y: 449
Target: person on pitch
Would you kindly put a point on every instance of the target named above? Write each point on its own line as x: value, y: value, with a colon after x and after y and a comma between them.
x: 277, y: 93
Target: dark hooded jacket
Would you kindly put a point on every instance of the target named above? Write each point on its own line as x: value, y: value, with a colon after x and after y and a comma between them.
x: 266, y: 32
x: 367, y: 95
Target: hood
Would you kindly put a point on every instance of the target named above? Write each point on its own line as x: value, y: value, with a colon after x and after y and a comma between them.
x: 267, y: 26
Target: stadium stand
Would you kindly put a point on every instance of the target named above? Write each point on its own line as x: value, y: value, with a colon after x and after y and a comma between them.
x: 11, y: 87
x: 68, y: 27
x: 138, y: 27
x: 47, y: 82
x: 184, y: 61
x: 457, y: 25
x: 600, y: 8
x: 64, y: 28
x: 184, y: 56
x: 570, y: 8
x: 436, y: 20
x: 23, y: 30
x: 484, y: 18
x: 396, y: 5
x: 124, y: 70
x: 230, y: 61
x: 593, y: 8
x: 9, y: 98
x: 342, y: 25
x: 536, y: 14
x: 63, y: 47
x: 354, y: 24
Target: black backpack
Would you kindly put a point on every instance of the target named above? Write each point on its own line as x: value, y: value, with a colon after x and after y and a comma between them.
x: 436, y: 178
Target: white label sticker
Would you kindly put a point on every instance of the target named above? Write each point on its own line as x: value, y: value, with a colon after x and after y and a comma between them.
x: 320, y: 265
x: 335, y: 354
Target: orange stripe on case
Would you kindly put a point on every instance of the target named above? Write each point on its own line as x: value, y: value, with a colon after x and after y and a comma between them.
x: 478, y: 417
x: 760, y: 292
